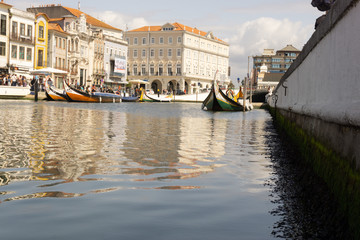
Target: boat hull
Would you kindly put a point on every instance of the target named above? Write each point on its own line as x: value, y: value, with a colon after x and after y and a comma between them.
x: 13, y: 91
x: 75, y: 95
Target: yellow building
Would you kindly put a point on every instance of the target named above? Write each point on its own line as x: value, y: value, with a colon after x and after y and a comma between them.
x: 41, y: 40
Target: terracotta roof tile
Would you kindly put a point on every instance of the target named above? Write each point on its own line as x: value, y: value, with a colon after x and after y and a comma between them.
x: 56, y: 27
x: 178, y: 27
x: 91, y: 20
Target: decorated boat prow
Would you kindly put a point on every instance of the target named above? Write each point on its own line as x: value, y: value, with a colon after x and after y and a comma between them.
x: 54, y: 94
x: 146, y: 98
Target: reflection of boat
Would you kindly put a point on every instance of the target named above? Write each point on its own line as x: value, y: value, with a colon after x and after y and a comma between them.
x: 13, y: 91
x: 146, y: 98
x: 130, y: 99
x: 76, y: 95
x: 218, y: 101
x: 54, y: 94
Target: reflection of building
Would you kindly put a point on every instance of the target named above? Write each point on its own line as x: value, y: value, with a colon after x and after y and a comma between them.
x: 176, y: 57
x: 21, y: 41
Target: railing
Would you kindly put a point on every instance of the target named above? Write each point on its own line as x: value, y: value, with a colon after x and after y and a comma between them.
x: 62, y: 68
x: 21, y: 38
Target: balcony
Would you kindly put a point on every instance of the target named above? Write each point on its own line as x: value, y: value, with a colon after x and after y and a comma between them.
x: 22, y: 38
x: 116, y: 75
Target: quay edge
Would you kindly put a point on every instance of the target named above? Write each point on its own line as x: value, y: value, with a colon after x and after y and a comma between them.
x: 317, y: 103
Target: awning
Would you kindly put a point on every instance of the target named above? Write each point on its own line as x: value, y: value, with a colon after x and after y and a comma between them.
x: 138, y: 81
x: 47, y: 71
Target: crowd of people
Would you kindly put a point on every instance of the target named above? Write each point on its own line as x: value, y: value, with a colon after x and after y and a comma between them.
x: 13, y: 80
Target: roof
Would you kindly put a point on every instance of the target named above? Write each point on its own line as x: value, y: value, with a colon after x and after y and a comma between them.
x: 289, y: 48
x: 42, y: 14
x: 177, y: 27
x: 272, y: 77
x: 91, y: 20
x: 56, y: 27
x: 5, y: 4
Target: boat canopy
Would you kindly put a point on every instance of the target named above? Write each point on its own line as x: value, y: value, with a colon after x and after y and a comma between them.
x: 138, y: 81
x: 47, y: 71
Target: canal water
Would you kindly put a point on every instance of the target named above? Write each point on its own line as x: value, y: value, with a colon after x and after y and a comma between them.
x: 153, y: 171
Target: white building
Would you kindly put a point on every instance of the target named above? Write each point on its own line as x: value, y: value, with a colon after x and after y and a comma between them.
x: 93, y: 45
x: 22, y: 31
x: 177, y: 57
x: 4, y: 39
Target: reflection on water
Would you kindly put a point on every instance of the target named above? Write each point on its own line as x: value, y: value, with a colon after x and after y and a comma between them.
x: 145, y: 171
x: 60, y: 145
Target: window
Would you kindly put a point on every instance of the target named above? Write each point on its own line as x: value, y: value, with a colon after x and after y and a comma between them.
x: 135, y: 41
x: 135, y: 69
x: 178, y: 69
x: 143, y: 53
x: 41, y: 32
x: 161, y: 52
x: 169, y: 52
x: 178, y: 52
x: 22, y: 29
x: 169, y: 69
x: 143, y: 69
x: 40, y: 57
x: 128, y: 40
x: 276, y: 60
x: 59, y: 42
x: 2, y: 48
x: 179, y: 39
x: 14, y: 51
x: 152, y: 69
x: 64, y: 44
x: 143, y: 41
x: 3, y: 25
x: 56, y: 41
x: 21, y: 53
x: 29, y: 31
x: 276, y: 66
x: 152, y: 40
x: 14, y: 28
x: 28, y: 54
x: 160, y: 69
x: 152, y: 53
x: 170, y: 40
x: 161, y: 40
x: 135, y: 54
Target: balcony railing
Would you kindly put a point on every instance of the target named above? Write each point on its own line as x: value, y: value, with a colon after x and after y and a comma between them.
x: 21, y: 38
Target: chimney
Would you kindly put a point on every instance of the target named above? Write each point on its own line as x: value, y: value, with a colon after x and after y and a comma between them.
x: 79, y: 5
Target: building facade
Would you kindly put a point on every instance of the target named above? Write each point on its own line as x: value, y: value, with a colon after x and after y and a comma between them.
x: 22, y: 42
x: 277, y: 62
x: 57, y: 52
x: 41, y: 41
x: 89, y: 43
x: 4, y: 38
x: 175, y: 57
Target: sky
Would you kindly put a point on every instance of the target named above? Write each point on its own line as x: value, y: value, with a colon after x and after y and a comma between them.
x: 248, y: 26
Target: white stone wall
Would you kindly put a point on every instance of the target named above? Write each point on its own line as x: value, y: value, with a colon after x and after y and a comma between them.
x: 326, y: 84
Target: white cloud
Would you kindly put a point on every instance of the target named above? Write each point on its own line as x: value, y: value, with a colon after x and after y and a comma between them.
x: 252, y: 37
x: 119, y: 20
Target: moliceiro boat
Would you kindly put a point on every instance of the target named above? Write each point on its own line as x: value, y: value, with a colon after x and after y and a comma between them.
x: 217, y: 100
x: 54, y: 94
x: 76, y: 95
x: 146, y: 98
